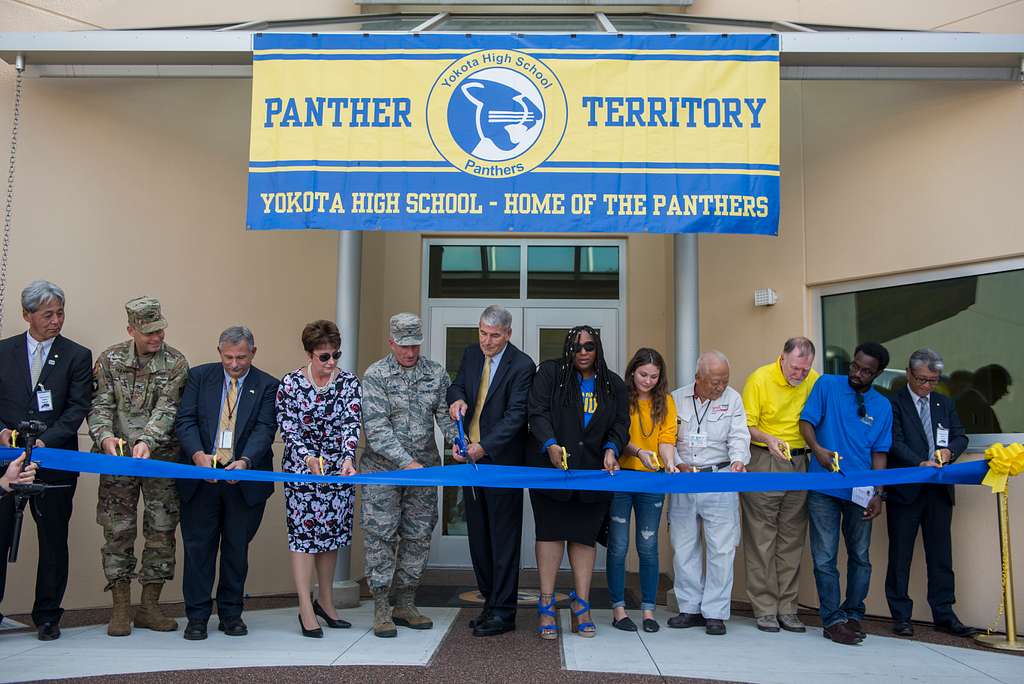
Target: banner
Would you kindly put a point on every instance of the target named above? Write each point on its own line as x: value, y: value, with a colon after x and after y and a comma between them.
x: 595, y: 133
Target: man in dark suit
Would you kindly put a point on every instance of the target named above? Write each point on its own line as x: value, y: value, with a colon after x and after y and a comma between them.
x: 490, y: 393
x: 46, y: 377
x: 226, y: 420
x: 926, y: 432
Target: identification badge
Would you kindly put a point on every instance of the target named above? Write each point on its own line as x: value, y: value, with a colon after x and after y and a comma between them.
x: 942, y: 437
x: 225, y: 440
x: 696, y: 440
x: 45, y: 400
x: 868, y: 420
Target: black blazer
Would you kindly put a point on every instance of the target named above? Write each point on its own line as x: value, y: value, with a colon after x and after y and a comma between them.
x: 551, y: 418
x: 67, y: 374
x: 503, y: 431
x: 910, y: 445
x: 255, y: 424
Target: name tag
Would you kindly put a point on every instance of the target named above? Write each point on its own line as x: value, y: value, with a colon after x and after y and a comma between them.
x: 696, y: 440
x: 941, y: 437
x: 226, y: 438
x: 45, y: 400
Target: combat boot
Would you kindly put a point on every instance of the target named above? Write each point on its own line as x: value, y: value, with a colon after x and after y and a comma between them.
x: 121, y: 615
x: 149, y: 615
x: 406, y: 614
x: 382, y: 624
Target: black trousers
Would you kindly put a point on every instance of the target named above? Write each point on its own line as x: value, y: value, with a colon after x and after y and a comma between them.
x: 217, y: 517
x: 52, y: 513
x: 932, y: 512
x: 494, y: 518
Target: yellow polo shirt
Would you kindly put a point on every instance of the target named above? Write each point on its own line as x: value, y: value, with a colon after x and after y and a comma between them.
x: 647, y: 436
x: 774, y: 406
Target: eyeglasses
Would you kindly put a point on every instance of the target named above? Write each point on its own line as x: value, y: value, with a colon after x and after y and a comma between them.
x: 859, y: 369
x: 925, y: 381
x: 585, y: 346
x: 324, y: 358
x: 861, y: 409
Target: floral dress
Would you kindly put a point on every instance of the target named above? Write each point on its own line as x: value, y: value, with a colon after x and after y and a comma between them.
x: 324, y: 424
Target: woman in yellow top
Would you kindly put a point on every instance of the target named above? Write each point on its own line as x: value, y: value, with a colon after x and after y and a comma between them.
x: 652, y: 444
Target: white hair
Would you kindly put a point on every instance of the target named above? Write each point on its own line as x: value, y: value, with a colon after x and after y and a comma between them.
x: 497, y: 316
x: 37, y: 293
x: 707, y: 358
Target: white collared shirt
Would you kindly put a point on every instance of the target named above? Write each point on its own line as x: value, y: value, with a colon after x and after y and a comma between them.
x: 723, y: 421
x: 495, y: 360
x: 33, y: 343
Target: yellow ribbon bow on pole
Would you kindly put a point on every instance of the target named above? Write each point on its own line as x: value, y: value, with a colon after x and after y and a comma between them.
x: 1003, y: 462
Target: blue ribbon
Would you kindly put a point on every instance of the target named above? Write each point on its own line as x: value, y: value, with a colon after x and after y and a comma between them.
x: 520, y: 477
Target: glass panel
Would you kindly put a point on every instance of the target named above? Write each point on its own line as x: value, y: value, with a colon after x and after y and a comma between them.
x: 453, y: 522
x: 474, y: 271
x: 509, y: 23
x: 343, y: 25
x: 453, y: 509
x: 634, y: 23
x: 455, y: 341
x: 974, y: 322
x: 568, y: 272
x: 551, y: 341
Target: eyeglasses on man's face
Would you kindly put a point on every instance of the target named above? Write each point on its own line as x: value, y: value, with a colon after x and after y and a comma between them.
x: 924, y: 380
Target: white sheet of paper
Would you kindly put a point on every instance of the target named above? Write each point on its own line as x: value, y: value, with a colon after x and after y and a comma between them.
x: 862, y: 496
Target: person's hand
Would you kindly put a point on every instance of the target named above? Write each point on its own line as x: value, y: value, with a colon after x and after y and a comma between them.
x: 776, y: 449
x: 237, y: 464
x: 611, y: 464
x: 647, y: 458
x: 313, y: 463
x: 203, y: 460
x: 944, y: 456
x: 928, y: 464
x: 109, y: 446
x: 348, y: 468
x: 415, y: 465
x: 457, y: 455
x: 15, y: 474
x: 555, y: 455
x: 458, y: 409
x: 737, y: 467
x: 5, y: 438
x: 475, y: 452
x: 874, y: 507
x: 825, y: 458
x: 39, y: 444
x: 671, y: 467
x: 140, y: 450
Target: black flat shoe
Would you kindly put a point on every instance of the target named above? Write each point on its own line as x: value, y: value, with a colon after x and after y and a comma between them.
x: 903, y: 629
x: 331, y: 622
x: 651, y: 625
x: 48, y: 631
x: 233, y: 626
x: 195, y: 630
x: 493, y: 626
x: 311, y: 633
x: 625, y: 624
x: 957, y: 629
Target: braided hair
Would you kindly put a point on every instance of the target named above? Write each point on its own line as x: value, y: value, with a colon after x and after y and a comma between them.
x: 568, y: 385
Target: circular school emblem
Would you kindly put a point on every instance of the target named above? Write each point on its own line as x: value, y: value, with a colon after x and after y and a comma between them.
x: 496, y: 113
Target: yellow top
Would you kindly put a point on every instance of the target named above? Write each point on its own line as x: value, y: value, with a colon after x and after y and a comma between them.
x: 774, y: 406
x: 645, y: 435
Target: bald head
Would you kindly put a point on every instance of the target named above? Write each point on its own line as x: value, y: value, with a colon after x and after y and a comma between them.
x: 712, y: 375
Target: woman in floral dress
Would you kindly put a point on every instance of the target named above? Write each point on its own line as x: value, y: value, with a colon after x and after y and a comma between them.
x: 318, y: 411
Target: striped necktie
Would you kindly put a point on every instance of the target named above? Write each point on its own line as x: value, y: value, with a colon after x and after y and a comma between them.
x: 37, y: 363
x: 926, y: 422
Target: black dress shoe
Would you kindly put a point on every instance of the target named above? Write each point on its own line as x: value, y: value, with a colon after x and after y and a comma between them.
x: 714, y: 627
x: 315, y: 633
x: 195, y: 630
x: 493, y: 626
x: 479, y: 619
x: 651, y: 625
x: 625, y: 624
x: 48, y: 631
x: 854, y: 626
x: 331, y: 622
x: 233, y: 626
x: 956, y: 628
x: 903, y: 629
x: 684, y: 620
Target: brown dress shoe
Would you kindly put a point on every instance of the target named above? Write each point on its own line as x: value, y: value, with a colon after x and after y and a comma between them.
x: 841, y: 634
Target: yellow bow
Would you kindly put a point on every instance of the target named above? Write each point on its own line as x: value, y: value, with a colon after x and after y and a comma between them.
x: 1003, y: 461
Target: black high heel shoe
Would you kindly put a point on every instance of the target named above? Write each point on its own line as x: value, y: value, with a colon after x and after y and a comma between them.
x: 331, y: 622
x: 312, y: 633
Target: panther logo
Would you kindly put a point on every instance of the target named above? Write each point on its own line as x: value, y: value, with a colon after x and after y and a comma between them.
x: 497, y: 114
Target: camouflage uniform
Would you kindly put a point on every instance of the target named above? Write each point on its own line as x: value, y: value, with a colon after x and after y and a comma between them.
x: 400, y: 406
x: 136, y: 399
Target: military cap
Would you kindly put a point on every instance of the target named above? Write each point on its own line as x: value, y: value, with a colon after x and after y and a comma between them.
x: 406, y: 329
x: 144, y: 314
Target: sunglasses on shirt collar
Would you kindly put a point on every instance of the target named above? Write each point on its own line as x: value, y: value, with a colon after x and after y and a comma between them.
x: 324, y: 358
x: 862, y: 410
x: 585, y: 346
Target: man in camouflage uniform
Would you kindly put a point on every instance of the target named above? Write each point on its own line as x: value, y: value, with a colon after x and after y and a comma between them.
x: 403, y: 395
x: 138, y: 386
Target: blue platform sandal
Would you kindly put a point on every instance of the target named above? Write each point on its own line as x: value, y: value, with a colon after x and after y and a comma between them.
x: 584, y: 629
x: 547, y: 631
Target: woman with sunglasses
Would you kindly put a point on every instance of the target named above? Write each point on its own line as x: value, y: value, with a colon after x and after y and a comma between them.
x: 579, y: 417
x: 651, y: 447
x: 318, y: 411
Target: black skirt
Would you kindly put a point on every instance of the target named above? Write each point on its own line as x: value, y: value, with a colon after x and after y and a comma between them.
x: 571, y: 520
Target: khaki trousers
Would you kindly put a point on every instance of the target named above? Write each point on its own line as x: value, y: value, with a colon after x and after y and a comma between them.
x: 774, y: 529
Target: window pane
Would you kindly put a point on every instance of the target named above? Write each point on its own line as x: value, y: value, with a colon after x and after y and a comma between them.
x: 568, y: 272
x: 507, y: 23
x: 551, y: 341
x: 634, y: 23
x: 453, y: 508
x: 474, y: 271
x: 975, y: 323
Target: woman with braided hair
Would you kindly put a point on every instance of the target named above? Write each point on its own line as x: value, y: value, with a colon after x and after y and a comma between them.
x: 578, y: 409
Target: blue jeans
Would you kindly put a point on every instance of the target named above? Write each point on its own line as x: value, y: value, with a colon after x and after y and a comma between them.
x: 648, y: 519
x: 828, y: 515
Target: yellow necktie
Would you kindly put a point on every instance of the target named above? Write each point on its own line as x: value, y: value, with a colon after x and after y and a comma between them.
x: 227, y: 422
x: 481, y: 397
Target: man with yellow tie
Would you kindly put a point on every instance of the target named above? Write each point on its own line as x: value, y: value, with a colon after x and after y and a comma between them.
x: 490, y: 394
x: 226, y: 420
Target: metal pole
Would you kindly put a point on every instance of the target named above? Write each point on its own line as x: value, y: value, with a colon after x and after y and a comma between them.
x: 1009, y: 642
x: 687, y: 291
x: 350, y: 257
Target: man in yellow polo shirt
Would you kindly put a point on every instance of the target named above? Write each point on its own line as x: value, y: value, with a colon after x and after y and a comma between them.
x: 775, y: 523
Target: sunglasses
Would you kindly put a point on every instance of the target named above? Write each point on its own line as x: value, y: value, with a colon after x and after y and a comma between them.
x: 585, y: 346
x: 862, y: 410
x: 324, y: 358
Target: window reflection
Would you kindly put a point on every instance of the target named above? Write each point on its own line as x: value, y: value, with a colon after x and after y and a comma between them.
x: 474, y: 271
x: 568, y: 272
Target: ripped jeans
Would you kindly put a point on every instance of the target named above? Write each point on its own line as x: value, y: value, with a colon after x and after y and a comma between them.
x: 648, y: 518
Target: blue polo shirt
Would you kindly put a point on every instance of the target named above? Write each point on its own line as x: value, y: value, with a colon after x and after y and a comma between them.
x: 832, y: 409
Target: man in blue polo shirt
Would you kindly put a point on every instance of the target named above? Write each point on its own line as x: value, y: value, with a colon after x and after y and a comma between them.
x: 845, y: 416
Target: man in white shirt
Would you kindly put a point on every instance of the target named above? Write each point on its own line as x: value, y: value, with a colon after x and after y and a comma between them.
x: 713, y: 437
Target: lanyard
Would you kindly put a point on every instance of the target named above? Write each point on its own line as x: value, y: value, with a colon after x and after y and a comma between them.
x: 227, y: 398
x: 700, y: 418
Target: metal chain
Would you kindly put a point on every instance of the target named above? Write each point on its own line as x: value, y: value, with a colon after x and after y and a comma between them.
x: 9, y: 204
x: 1004, y: 540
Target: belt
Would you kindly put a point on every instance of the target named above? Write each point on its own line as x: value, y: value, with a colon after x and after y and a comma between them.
x: 710, y: 468
x: 799, y: 452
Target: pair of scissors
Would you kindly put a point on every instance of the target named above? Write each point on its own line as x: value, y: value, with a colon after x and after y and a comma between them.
x: 460, y: 441
x: 565, y: 460
x: 784, y: 447
x: 835, y: 463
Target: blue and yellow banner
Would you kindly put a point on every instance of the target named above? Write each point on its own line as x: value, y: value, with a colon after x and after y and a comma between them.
x: 594, y: 133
